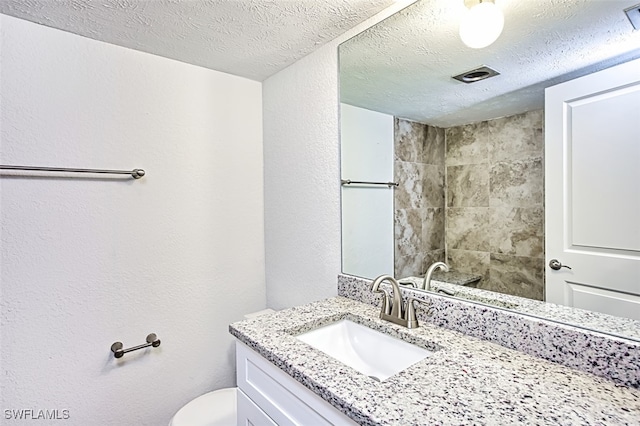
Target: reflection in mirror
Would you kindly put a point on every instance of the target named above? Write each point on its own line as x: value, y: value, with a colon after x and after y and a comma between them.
x: 469, y: 159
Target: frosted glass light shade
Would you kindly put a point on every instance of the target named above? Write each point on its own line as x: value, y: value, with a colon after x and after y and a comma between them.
x: 481, y: 25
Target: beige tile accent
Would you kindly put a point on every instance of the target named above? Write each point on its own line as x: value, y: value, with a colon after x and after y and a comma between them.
x: 471, y: 262
x: 517, y: 183
x: 434, y: 146
x: 408, y: 232
x: 432, y: 257
x: 519, y: 276
x: 517, y: 231
x: 518, y: 137
x: 407, y: 266
x: 409, y: 138
x: 468, y: 228
x: 467, y: 144
x: 433, y: 185
x: 410, y: 176
x: 468, y: 186
x: 432, y: 229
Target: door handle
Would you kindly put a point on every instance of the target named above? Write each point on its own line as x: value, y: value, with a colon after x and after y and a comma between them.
x: 556, y: 265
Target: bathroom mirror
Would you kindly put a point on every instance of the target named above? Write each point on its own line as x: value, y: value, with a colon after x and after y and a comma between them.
x: 477, y: 205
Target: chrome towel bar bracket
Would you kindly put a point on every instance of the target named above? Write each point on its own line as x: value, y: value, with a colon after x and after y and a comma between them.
x: 118, y: 352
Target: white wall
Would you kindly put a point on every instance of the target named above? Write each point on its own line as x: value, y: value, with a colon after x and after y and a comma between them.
x: 366, y: 154
x: 86, y: 262
x: 302, y: 174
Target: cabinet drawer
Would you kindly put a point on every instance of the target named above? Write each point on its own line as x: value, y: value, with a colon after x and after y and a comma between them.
x: 281, y: 397
x: 249, y: 414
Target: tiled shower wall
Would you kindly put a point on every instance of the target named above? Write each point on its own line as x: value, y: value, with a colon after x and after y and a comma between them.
x: 419, y: 199
x: 493, y: 221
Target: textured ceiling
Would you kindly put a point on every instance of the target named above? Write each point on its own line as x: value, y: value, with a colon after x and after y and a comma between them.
x: 403, y: 66
x: 249, y: 38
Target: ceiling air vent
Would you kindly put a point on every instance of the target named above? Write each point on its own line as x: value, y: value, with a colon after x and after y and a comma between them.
x: 633, y: 13
x: 476, y: 74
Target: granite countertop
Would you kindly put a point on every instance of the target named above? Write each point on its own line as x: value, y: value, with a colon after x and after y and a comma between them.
x: 616, y: 326
x: 463, y: 286
x: 467, y: 381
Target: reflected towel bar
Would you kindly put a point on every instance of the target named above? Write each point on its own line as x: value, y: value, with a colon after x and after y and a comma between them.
x: 135, y: 173
x: 118, y: 352
x: 349, y: 182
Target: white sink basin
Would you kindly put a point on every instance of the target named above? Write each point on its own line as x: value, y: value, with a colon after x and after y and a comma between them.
x: 368, y: 351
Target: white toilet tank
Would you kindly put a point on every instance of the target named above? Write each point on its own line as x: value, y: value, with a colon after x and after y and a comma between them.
x: 217, y: 408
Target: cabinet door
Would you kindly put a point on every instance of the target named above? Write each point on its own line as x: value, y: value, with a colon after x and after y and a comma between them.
x: 249, y: 414
x: 283, y: 399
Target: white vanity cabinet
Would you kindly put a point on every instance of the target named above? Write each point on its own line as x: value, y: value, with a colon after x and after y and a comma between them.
x: 269, y: 396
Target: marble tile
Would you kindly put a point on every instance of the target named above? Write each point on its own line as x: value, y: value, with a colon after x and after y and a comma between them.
x: 467, y: 228
x: 432, y: 229
x: 467, y: 144
x: 517, y: 231
x: 408, y: 232
x: 433, y: 185
x: 517, y: 183
x: 434, y: 146
x: 409, y: 138
x: 468, y: 186
x: 409, y: 193
x: 518, y: 137
x: 432, y: 257
x: 409, y: 266
x: 516, y: 275
x: 471, y: 262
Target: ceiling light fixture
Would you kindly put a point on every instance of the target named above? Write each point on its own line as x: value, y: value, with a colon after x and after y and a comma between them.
x: 481, y: 24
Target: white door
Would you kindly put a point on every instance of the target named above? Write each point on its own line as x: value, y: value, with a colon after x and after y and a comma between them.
x: 592, y: 191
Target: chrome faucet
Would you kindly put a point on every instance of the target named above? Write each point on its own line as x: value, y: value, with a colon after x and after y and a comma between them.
x: 431, y: 270
x: 393, y: 309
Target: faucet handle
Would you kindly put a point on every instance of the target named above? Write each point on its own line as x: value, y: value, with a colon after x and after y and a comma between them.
x: 410, y: 313
x: 410, y: 310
